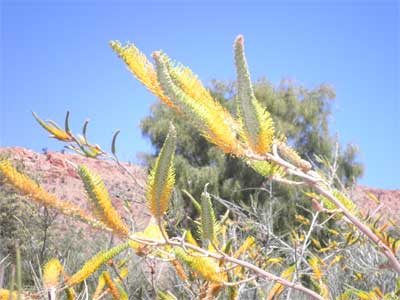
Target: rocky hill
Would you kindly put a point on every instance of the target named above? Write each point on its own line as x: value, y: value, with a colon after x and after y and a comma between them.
x: 373, y: 200
x: 56, y: 172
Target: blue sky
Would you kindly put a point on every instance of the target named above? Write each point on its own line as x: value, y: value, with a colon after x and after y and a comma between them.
x: 55, y: 57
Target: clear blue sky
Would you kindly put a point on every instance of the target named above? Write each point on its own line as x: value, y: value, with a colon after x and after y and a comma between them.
x: 55, y: 57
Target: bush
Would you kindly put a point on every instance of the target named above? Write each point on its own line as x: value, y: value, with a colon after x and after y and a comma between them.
x: 234, y: 254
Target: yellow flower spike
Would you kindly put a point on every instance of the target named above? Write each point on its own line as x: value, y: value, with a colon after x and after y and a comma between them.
x: 348, y: 203
x: 6, y: 295
x: 301, y: 219
x: 267, y: 130
x: 257, y: 128
x: 278, y: 288
x: 221, y: 125
x: 379, y: 292
x: 336, y: 260
x: 213, y: 290
x: 233, y: 293
x: 265, y: 168
x: 101, y: 201
x: 291, y: 155
x: 211, y: 119
x: 93, y: 264
x: 51, y: 273
x: 33, y: 191
x: 111, y: 285
x: 190, y: 84
x: 54, y: 129
x: 179, y: 270
x: 333, y: 232
x: 221, y: 133
x: 100, y: 286
x: 161, y: 180
x: 316, y: 243
x: 249, y: 243
x: 208, y: 221
x: 274, y: 260
x: 70, y: 293
x: 206, y: 267
x: 315, y: 264
x: 100, y: 291
x: 141, y: 68
x: 123, y: 273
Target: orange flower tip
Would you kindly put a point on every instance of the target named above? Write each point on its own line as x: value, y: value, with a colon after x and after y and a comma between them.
x: 156, y: 54
x: 240, y: 39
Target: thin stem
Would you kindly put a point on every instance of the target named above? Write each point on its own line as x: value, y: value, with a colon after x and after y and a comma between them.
x: 314, y: 181
x: 260, y: 272
x: 19, y: 280
x: 395, y: 264
x: 240, y: 281
x: 303, y: 250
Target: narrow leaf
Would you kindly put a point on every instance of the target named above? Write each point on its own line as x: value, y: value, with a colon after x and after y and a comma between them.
x: 195, y: 203
x: 84, y: 129
x: 67, y: 130
x: 113, y: 142
x: 55, y: 131
x: 165, y: 296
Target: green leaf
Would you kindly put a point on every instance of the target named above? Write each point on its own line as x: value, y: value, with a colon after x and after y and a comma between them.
x: 67, y: 130
x: 113, y: 141
x: 195, y: 203
x: 84, y: 129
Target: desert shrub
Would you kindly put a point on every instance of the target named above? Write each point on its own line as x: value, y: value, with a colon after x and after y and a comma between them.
x: 235, y: 252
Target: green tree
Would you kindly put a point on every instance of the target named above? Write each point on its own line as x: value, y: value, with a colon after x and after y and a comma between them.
x: 301, y: 114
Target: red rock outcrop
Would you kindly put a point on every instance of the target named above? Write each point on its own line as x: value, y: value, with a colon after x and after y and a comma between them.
x: 56, y: 172
x: 386, y: 201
